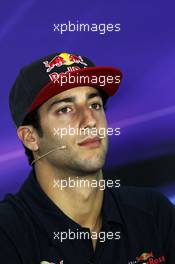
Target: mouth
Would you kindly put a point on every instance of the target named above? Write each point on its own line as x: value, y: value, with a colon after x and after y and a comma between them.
x: 90, y: 142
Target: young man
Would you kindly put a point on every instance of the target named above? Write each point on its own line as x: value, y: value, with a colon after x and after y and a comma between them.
x: 61, y: 214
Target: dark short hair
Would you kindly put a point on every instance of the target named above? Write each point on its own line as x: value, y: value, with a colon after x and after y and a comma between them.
x: 34, y: 119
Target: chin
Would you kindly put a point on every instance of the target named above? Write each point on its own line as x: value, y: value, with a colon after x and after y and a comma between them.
x: 92, y: 166
x: 90, y: 170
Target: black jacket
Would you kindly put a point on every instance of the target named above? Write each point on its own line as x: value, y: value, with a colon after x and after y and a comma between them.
x: 30, y: 223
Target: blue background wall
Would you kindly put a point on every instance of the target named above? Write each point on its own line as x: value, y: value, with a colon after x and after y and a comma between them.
x: 144, y: 106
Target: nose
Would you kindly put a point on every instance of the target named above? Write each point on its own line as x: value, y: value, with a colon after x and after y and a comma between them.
x: 87, y: 118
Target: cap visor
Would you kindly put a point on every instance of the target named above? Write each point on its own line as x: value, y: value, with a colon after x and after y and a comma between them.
x: 101, y: 77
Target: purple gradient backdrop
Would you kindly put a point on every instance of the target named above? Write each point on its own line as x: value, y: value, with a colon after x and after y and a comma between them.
x: 144, y: 49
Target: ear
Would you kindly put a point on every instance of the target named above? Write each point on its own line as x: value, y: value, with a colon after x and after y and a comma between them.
x: 27, y: 134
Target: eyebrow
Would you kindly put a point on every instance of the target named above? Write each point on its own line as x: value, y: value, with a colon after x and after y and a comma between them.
x: 71, y: 99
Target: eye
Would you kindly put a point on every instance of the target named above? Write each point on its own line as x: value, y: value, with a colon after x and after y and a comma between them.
x: 64, y: 110
x: 96, y: 106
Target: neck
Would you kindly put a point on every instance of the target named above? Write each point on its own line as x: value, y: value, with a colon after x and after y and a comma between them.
x: 82, y: 202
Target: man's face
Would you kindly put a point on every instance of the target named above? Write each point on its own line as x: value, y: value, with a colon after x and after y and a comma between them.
x: 82, y: 108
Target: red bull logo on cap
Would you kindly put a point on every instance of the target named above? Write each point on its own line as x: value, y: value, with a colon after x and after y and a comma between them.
x: 63, y: 59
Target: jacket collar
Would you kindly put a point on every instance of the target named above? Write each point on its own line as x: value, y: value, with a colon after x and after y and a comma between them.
x: 51, y: 218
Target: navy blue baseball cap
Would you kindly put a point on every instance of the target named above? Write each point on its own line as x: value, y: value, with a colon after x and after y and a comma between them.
x: 53, y: 74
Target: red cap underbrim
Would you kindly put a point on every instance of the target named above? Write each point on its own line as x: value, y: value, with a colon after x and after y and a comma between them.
x: 53, y: 88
